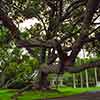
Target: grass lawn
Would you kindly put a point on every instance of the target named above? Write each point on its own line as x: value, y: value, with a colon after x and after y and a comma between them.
x: 6, y: 94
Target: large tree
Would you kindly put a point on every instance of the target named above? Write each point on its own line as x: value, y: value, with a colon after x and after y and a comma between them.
x: 65, y: 26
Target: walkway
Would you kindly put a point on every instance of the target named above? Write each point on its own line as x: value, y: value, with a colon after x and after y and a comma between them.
x: 95, y: 95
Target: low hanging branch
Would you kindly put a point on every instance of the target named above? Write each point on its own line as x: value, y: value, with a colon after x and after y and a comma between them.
x: 77, y: 69
x: 54, y: 68
x: 8, y: 22
x: 34, y: 43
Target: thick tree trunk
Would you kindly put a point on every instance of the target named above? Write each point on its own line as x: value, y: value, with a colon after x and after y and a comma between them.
x: 43, y: 81
x: 43, y: 77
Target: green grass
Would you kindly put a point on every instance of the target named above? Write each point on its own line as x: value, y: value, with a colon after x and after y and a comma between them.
x: 73, y: 91
x: 6, y: 94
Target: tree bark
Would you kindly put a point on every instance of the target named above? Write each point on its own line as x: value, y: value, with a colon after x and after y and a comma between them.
x: 43, y: 78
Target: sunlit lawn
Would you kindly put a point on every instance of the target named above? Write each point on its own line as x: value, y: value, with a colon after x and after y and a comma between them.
x: 6, y: 94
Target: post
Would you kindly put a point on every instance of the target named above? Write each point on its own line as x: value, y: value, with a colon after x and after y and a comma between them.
x: 61, y: 81
x: 96, y: 80
x: 74, y: 81
x: 81, y: 78
x: 86, y: 74
x: 53, y: 83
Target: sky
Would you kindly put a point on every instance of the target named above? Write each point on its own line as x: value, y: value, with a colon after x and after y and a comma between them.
x: 27, y: 24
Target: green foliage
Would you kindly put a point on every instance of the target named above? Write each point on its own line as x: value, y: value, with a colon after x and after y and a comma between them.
x: 33, y: 9
x: 80, y: 61
x: 4, y: 35
x: 14, y: 63
x: 33, y: 32
x: 66, y: 28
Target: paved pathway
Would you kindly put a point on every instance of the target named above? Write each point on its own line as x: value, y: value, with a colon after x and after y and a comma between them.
x: 95, y: 95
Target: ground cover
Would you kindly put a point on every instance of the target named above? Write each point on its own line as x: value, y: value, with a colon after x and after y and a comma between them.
x: 6, y: 94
